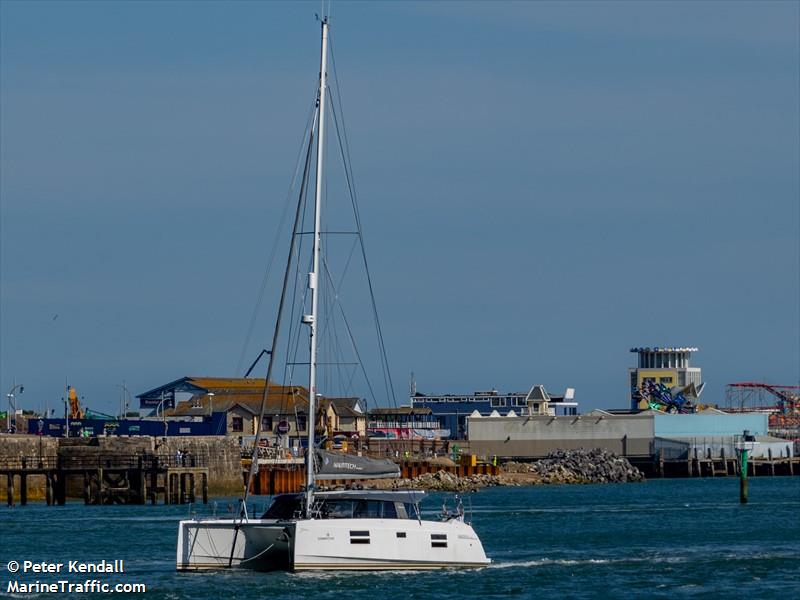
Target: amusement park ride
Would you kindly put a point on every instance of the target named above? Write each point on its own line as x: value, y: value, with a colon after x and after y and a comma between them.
x: 781, y: 401
x: 657, y: 396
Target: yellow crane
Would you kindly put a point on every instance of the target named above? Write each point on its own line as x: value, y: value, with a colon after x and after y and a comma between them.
x: 75, y: 411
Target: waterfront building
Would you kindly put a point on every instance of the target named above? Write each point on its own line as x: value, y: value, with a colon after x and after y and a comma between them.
x: 240, y: 399
x: 453, y: 410
x: 664, y: 377
x: 346, y: 416
x: 405, y: 423
x: 564, y: 405
x: 632, y: 434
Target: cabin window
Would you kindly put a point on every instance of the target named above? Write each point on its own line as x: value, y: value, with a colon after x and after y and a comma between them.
x: 284, y: 507
x: 266, y: 424
x: 400, y: 509
x: 389, y: 510
x: 301, y: 423
x: 401, y: 534
x: 496, y: 402
x: 438, y: 540
x: 359, y: 537
x: 237, y: 424
x: 368, y: 509
x: 341, y: 508
x: 337, y: 509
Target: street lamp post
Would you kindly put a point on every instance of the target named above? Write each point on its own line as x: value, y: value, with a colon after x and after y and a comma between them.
x: 66, y: 416
x: 12, y: 405
x: 163, y: 413
x: 125, y: 402
x: 211, y: 412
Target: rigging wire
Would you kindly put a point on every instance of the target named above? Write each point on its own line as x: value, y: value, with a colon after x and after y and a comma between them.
x: 275, y: 336
x: 330, y: 334
x: 330, y: 339
x: 350, y: 334
x: 345, y: 156
x: 293, y: 339
x: 278, y: 319
x: 274, y: 250
x: 294, y: 332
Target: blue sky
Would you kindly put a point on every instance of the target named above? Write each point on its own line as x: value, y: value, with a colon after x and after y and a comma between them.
x: 542, y: 186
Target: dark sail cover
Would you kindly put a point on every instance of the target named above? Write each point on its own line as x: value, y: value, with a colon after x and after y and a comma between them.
x: 332, y: 465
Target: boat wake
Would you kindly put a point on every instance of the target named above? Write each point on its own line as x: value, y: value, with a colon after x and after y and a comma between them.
x: 567, y: 562
x: 541, y: 562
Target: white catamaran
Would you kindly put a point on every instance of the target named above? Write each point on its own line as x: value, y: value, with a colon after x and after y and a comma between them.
x: 365, y: 530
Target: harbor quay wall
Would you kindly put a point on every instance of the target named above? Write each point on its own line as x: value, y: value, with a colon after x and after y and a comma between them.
x: 20, y: 446
x: 535, y: 437
x: 14, y: 447
x: 222, y: 456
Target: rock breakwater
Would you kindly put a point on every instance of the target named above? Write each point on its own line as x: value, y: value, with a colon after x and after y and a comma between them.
x: 579, y: 466
x: 443, y: 481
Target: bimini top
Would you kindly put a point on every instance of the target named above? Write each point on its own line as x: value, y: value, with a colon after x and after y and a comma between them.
x: 414, y: 496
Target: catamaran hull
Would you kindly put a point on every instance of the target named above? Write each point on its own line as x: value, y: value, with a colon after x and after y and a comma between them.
x: 329, y: 544
x: 385, y: 544
x: 256, y: 545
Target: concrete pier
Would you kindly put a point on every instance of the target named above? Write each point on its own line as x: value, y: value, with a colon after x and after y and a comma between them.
x: 715, y: 465
x: 109, y: 478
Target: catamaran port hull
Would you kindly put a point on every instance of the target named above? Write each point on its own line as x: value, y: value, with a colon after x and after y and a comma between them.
x: 256, y: 544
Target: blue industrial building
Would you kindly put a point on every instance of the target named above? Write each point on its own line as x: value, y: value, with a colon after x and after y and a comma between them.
x: 206, y: 425
x: 452, y: 410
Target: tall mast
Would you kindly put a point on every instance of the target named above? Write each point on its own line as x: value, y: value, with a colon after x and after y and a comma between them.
x: 313, y: 278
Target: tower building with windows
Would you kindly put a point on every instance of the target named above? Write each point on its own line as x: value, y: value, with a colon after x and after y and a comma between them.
x: 664, y: 377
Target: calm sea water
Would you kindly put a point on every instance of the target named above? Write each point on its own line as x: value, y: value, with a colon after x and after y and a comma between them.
x: 667, y: 539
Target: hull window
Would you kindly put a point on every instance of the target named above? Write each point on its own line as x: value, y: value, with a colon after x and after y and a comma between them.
x: 359, y: 537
